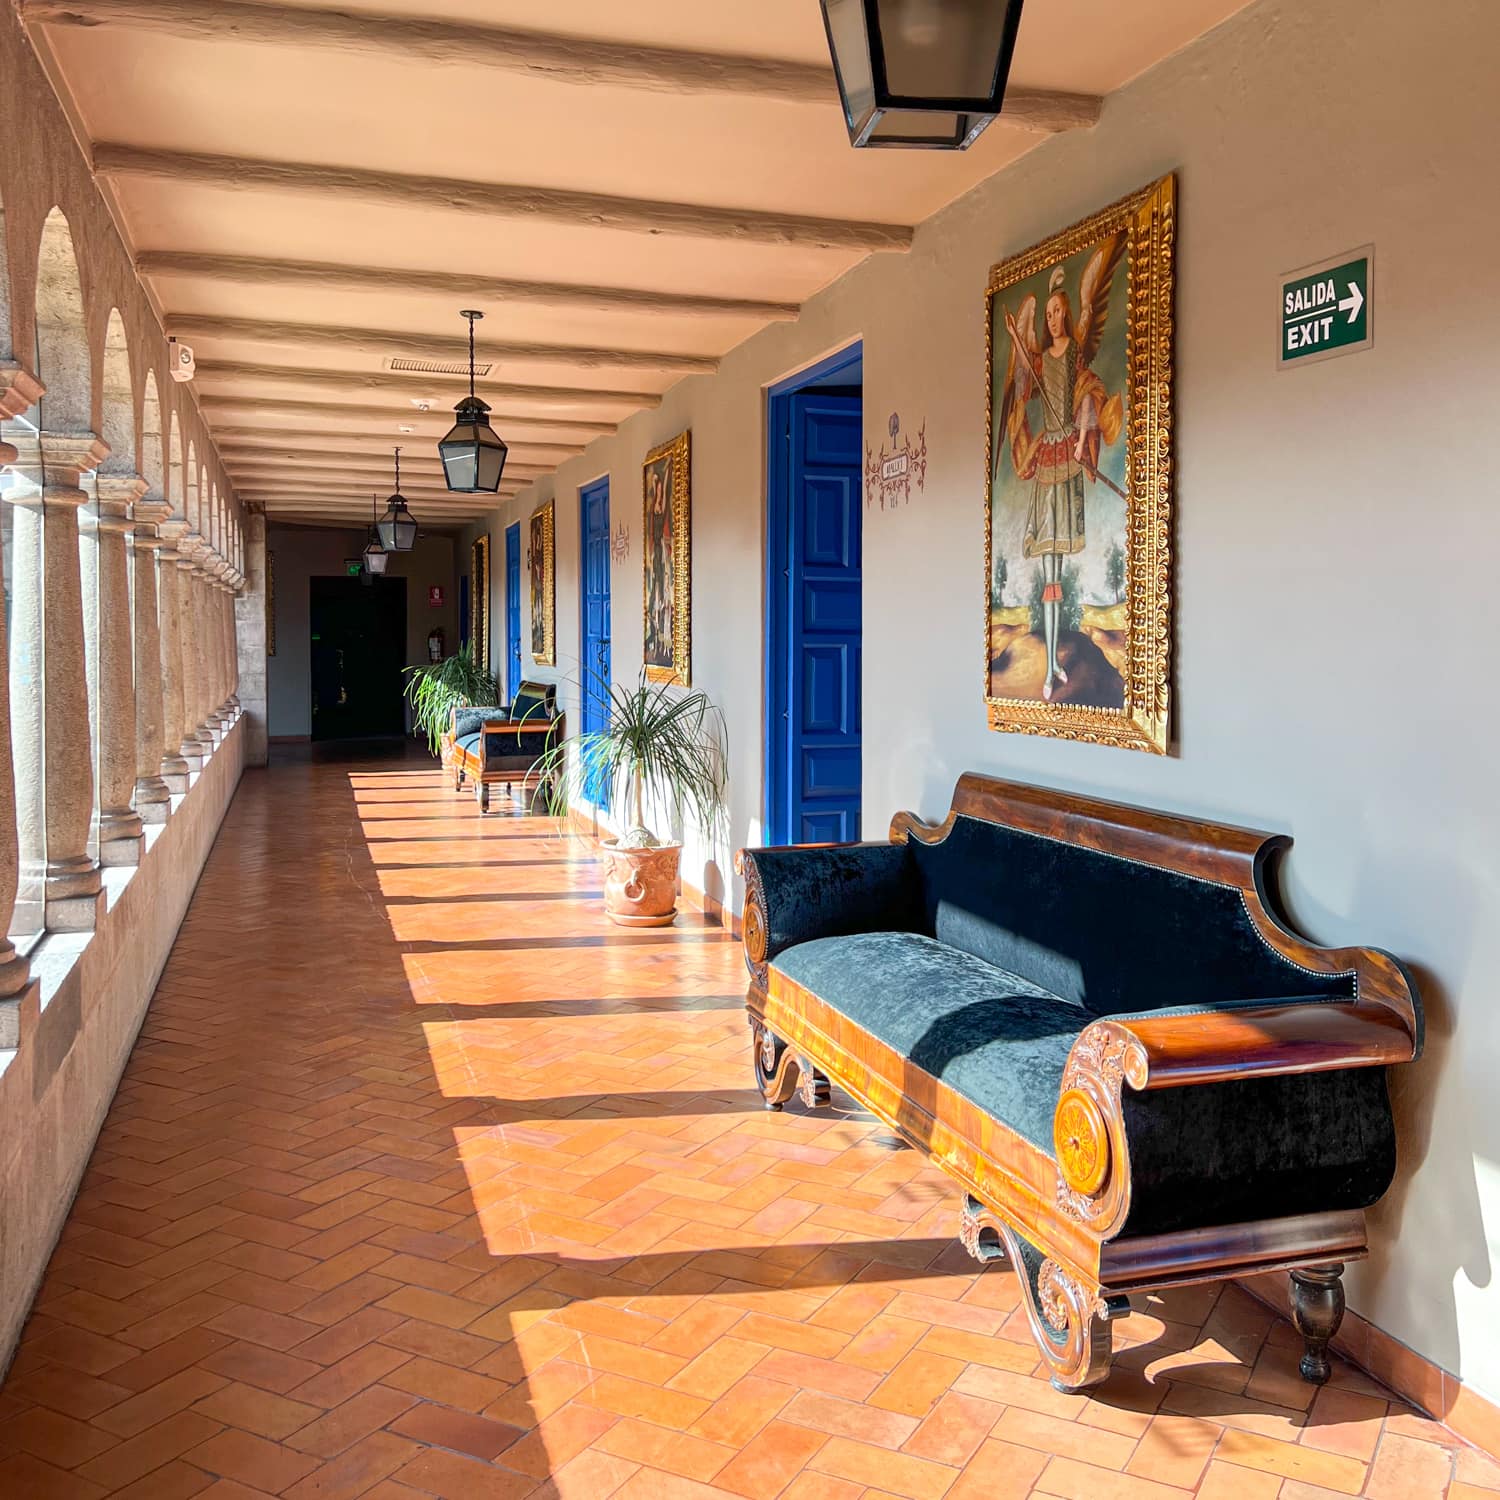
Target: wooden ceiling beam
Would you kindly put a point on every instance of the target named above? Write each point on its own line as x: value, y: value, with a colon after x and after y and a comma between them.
x: 565, y: 206
x: 306, y: 440
x: 440, y: 417
x: 445, y: 385
x: 389, y: 342
x: 369, y: 469
x: 583, y: 61
x: 246, y: 270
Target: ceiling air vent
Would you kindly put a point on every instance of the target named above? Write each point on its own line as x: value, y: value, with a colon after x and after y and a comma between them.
x: 436, y: 366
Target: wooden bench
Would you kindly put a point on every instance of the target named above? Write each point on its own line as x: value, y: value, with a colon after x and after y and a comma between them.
x: 502, y: 745
x: 1096, y: 1020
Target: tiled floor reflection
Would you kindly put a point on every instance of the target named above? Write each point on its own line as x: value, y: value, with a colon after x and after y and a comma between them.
x: 422, y: 1180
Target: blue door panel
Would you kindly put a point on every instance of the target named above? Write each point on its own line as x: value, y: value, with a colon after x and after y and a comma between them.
x: 594, y: 544
x: 512, y: 611
x: 816, y: 786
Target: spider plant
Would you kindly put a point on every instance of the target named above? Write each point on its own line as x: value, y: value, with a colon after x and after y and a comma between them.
x: 660, y: 747
x: 434, y: 689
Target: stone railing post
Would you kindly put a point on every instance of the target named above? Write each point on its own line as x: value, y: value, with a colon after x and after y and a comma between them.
x: 153, y: 802
x: 174, y: 768
x: 72, y: 888
x: 109, y: 640
x: 18, y: 392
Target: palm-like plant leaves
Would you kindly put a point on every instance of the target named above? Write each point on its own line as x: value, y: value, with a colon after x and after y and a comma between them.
x: 435, y: 688
x: 666, y: 749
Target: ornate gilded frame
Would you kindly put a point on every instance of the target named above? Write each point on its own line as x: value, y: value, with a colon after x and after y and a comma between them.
x: 1149, y: 216
x: 678, y: 449
x: 542, y: 554
x: 479, y: 599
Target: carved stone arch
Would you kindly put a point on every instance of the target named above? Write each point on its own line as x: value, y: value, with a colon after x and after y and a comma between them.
x: 176, y: 473
x: 117, y: 411
x: 153, y: 445
x: 62, y: 345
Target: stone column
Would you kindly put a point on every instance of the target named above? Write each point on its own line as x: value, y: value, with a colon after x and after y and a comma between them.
x: 18, y: 391
x: 153, y: 802
x: 108, y: 636
x: 174, y: 768
x: 72, y: 890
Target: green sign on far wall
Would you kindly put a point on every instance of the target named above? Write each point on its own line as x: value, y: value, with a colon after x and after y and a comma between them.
x: 1325, y: 309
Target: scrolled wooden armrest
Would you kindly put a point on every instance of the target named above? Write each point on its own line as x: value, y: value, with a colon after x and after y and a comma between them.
x: 1167, y: 1049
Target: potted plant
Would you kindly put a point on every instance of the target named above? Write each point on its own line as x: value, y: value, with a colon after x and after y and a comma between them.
x: 435, y: 689
x: 663, y: 750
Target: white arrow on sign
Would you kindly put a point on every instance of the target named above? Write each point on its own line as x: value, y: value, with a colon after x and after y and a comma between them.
x: 1353, y: 302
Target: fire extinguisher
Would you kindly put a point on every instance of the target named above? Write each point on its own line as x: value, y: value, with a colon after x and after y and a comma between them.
x: 435, y: 643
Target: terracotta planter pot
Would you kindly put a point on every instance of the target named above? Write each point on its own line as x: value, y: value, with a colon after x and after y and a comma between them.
x: 640, y: 889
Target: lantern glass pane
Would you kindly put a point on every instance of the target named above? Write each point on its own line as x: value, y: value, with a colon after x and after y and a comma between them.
x: 406, y: 533
x: 849, y: 43
x: 942, y: 49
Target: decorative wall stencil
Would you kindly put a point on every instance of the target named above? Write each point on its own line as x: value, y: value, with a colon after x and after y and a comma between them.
x: 479, y: 593
x: 540, y: 561
x: 1077, y: 574
x: 667, y: 561
x: 620, y: 546
x: 890, y: 474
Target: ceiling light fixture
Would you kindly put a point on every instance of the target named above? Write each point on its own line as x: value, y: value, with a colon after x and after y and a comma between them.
x: 375, y: 555
x: 921, y: 72
x: 473, y: 453
x: 397, y: 527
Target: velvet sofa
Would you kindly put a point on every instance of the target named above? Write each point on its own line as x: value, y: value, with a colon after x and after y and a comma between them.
x: 503, y: 744
x: 1096, y: 1020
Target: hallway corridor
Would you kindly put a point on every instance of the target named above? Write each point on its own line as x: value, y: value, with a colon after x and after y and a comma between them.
x: 422, y: 1180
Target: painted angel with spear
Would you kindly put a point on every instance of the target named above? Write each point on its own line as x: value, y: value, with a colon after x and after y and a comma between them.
x: 1049, y: 374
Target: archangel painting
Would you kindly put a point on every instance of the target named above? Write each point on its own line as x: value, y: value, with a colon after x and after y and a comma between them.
x: 540, y: 559
x: 666, y: 497
x: 1068, y: 536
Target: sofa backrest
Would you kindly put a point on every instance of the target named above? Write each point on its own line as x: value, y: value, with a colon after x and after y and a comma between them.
x: 536, y: 702
x: 1110, y: 931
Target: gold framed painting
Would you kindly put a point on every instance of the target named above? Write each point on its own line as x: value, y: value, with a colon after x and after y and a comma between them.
x: 1077, y: 575
x: 479, y: 599
x: 541, y: 562
x: 666, y: 485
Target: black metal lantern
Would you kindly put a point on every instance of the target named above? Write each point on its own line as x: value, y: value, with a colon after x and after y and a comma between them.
x: 473, y: 452
x: 921, y: 72
x: 375, y: 555
x: 397, y: 527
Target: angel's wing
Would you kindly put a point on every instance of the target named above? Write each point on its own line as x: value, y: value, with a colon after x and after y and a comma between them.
x: 1017, y: 375
x: 1093, y: 295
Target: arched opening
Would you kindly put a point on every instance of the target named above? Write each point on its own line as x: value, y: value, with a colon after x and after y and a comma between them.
x: 151, y: 439
x: 62, y: 349
x: 191, y: 506
x: 117, y: 409
x: 176, y: 496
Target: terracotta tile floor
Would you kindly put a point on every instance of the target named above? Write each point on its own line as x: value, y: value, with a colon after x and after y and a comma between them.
x: 423, y: 1181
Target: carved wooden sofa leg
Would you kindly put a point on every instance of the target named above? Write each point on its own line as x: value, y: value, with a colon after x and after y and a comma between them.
x: 1070, y: 1321
x: 1317, y: 1311
x: 779, y: 1071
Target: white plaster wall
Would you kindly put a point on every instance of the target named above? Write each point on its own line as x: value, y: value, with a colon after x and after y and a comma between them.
x: 57, y: 1086
x: 304, y: 552
x: 1337, y: 534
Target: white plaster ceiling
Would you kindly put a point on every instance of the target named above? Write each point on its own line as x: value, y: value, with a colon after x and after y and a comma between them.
x: 139, y: 76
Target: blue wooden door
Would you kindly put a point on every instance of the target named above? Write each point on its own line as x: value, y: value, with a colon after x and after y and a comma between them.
x: 819, y: 785
x: 594, y: 531
x: 512, y: 611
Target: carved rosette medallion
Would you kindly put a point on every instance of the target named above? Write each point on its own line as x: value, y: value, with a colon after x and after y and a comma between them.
x: 1088, y: 1128
x: 755, y: 925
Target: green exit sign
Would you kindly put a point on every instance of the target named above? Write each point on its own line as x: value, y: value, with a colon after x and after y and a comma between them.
x: 1325, y: 309
x: 353, y: 567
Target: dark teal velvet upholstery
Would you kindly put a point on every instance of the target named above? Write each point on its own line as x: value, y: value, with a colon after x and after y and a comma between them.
x: 468, y: 742
x: 468, y: 721
x: 995, y: 1038
x: 841, y: 888
x: 1113, y: 934
x: 529, y: 707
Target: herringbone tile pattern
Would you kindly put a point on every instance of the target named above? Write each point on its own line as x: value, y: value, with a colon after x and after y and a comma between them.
x: 422, y: 1181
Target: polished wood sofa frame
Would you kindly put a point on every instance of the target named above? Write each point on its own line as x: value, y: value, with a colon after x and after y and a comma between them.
x: 1072, y: 1206
x: 506, y: 749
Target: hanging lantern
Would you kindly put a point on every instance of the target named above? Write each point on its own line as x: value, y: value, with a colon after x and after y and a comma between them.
x: 473, y: 453
x: 920, y: 72
x: 375, y: 555
x: 397, y: 528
